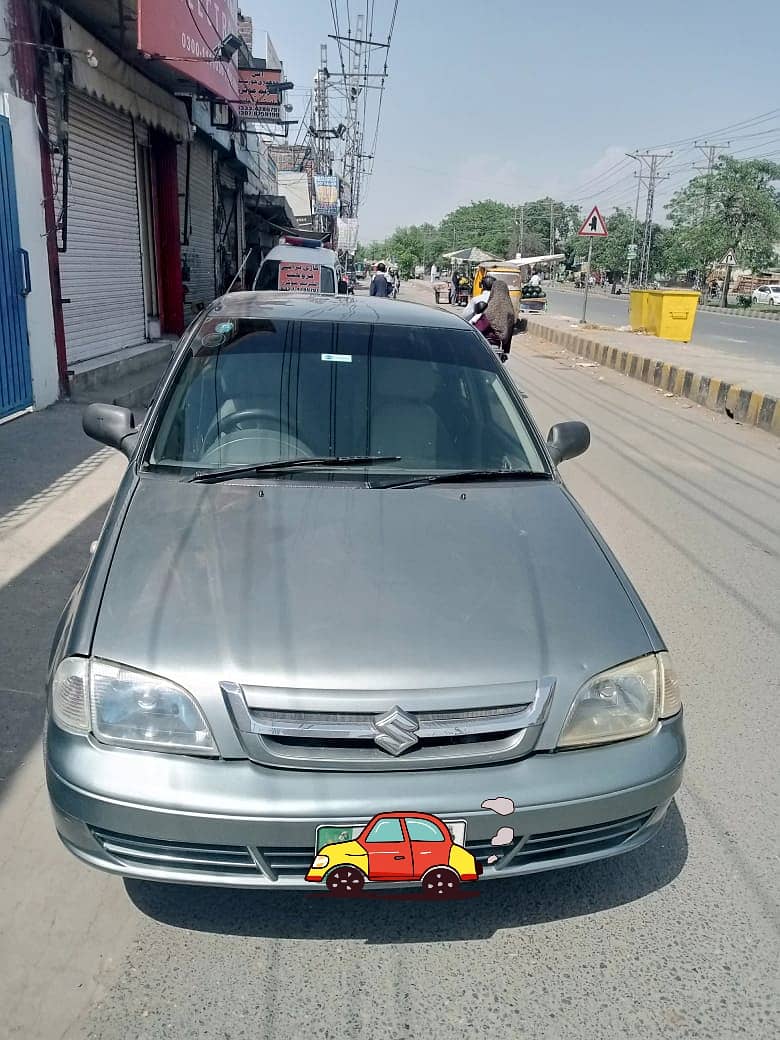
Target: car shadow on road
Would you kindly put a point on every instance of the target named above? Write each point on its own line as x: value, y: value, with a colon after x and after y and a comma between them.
x: 512, y: 903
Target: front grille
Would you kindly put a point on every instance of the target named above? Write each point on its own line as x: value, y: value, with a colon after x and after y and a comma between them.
x: 194, y: 858
x: 435, y: 729
x: 292, y: 862
x: 561, y: 845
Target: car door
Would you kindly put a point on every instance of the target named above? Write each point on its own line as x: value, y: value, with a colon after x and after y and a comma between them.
x: 389, y: 852
x: 430, y: 848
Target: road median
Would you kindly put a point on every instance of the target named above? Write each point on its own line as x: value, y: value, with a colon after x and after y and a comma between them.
x: 668, y: 369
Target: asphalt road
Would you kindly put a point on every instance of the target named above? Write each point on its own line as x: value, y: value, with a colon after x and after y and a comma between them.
x: 757, y: 338
x: 677, y: 940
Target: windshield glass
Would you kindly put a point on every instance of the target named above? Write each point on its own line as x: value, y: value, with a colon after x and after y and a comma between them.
x: 512, y: 278
x: 295, y: 276
x: 256, y: 391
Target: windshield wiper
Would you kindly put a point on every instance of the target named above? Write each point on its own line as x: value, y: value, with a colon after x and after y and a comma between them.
x: 217, y: 476
x: 473, y: 476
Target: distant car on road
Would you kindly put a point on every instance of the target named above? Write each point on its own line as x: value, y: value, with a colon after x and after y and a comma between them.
x: 769, y: 295
x: 341, y: 574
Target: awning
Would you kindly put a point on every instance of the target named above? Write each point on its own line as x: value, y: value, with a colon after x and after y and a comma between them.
x: 471, y: 256
x: 273, y: 209
x: 120, y: 85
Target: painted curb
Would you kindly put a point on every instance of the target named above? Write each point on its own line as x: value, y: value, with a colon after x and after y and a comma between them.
x: 746, y: 406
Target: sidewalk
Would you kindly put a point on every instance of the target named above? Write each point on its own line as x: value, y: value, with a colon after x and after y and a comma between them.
x: 748, y: 389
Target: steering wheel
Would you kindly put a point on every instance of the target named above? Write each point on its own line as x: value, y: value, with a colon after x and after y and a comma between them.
x: 234, y: 420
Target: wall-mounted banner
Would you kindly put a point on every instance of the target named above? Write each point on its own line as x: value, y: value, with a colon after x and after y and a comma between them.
x: 257, y: 104
x: 348, y: 234
x: 326, y: 196
x: 184, y: 34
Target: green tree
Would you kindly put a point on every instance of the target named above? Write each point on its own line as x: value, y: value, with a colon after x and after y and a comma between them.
x: 736, y: 207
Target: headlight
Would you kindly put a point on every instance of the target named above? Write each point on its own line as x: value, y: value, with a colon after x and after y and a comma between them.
x: 69, y: 696
x: 123, y: 706
x: 623, y: 702
x: 320, y: 863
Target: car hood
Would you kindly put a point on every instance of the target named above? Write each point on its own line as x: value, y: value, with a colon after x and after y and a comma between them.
x: 337, y: 587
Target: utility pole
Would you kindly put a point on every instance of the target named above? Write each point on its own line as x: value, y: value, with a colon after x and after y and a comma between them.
x: 632, y: 248
x: 710, y: 152
x: 353, y: 151
x: 552, y: 236
x: 652, y: 161
x: 522, y: 230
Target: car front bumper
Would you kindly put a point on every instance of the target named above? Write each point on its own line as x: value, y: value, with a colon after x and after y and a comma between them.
x: 182, y: 819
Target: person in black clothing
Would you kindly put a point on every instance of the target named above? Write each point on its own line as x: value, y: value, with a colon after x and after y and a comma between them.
x: 380, y: 283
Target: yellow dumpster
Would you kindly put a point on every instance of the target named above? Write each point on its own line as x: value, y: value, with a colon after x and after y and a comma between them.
x: 640, y: 303
x: 672, y: 313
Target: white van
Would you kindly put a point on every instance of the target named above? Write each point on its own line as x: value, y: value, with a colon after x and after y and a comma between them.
x: 300, y: 265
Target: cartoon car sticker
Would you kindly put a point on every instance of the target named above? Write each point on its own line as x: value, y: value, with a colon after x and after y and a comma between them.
x: 405, y: 847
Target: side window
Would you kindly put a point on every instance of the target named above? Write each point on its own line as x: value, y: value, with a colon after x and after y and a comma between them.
x: 327, y: 284
x: 423, y: 830
x: 386, y: 830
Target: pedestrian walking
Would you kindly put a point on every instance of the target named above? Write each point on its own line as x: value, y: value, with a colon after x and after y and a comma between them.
x: 434, y: 273
x: 380, y: 283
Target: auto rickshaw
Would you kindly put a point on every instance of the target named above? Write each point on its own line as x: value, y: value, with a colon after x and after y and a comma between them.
x: 515, y: 273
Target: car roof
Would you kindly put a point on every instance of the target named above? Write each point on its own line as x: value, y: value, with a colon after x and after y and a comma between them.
x: 303, y: 254
x: 301, y: 306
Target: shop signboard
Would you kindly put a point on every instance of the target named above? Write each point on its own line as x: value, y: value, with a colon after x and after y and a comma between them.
x: 186, y: 35
x: 257, y: 103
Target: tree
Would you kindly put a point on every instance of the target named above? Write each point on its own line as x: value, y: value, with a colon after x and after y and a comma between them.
x: 736, y: 207
x: 491, y: 226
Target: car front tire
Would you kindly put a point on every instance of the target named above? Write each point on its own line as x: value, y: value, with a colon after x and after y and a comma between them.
x: 345, y: 881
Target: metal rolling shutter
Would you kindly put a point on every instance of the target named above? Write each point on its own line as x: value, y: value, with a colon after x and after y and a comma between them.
x: 198, y: 237
x: 101, y: 269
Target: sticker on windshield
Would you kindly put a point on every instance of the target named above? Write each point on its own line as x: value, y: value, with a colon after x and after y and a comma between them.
x: 299, y: 277
x: 337, y: 357
x: 224, y: 328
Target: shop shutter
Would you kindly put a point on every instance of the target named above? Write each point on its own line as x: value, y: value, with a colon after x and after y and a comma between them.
x: 198, y: 237
x: 101, y: 269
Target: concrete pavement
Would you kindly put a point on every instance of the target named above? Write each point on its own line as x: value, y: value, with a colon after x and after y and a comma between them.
x: 676, y: 940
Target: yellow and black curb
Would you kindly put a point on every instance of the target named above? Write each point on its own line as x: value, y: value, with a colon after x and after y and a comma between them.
x: 746, y: 406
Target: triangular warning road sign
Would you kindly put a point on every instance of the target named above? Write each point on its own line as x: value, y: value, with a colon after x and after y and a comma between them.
x: 729, y: 260
x: 594, y: 226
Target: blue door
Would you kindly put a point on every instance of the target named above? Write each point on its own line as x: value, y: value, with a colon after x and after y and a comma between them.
x: 15, y: 381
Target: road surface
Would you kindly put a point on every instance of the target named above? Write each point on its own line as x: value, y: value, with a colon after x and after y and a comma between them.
x: 757, y: 338
x: 677, y: 940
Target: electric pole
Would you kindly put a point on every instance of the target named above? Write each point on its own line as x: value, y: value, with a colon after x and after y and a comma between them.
x: 632, y: 250
x: 652, y: 161
x: 710, y: 152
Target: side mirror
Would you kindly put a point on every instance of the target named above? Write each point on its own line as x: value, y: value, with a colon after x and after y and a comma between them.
x: 109, y: 424
x: 567, y: 440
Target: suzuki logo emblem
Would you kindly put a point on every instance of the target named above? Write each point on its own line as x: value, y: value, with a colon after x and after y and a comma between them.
x: 395, y: 731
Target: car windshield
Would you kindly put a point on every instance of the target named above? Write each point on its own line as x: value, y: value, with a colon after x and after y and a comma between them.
x: 295, y: 276
x: 256, y: 391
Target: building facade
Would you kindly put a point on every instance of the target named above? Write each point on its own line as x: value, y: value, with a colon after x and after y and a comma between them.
x: 125, y: 185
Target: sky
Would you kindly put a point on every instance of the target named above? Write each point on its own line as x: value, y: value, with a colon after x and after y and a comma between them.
x: 517, y: 101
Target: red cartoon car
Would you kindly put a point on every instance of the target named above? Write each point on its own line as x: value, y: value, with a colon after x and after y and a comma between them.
x: 397, y: 846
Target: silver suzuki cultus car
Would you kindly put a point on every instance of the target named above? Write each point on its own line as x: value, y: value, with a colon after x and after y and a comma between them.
x: 342, y: 579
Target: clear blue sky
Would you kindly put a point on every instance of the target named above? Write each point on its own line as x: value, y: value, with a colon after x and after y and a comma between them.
x: 523, y: 100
